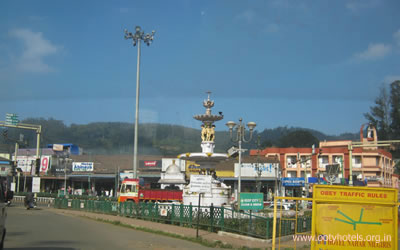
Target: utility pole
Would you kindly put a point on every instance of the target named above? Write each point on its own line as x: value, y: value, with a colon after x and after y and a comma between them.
x: 137, y: 37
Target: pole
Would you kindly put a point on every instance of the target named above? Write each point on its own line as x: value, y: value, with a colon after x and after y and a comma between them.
x: 38, y: 131
x: 198, y: 217
x: 15, y: 160
x: 274, y: 225
x: 136, y: 113
x: 276, y: 179
x: 19, y: 174
x: 24, y: 181
x: 240, y: 168
x: 307, y: 184
x: 65, y: 180
x: 350, y: 147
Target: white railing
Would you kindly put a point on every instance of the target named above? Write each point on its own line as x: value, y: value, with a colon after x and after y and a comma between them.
x: 40, y: 201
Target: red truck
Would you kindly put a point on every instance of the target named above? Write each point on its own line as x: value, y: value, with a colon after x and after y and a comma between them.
x: 131, y: 191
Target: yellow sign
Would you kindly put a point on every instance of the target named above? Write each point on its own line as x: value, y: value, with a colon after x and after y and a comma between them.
x: 340, y: 193
x: 354, y: 218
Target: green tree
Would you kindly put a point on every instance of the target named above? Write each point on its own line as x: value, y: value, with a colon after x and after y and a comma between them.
x: 395, y: 109
x: 299, y: 139
x: 379, y: 115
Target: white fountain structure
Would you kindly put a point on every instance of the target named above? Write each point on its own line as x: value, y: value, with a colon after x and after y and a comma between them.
x: 207, y: 159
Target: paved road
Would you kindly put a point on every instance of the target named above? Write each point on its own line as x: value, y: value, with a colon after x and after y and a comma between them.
x: 42, y: 229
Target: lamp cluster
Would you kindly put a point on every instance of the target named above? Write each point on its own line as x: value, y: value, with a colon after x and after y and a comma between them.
x: 139, y: 35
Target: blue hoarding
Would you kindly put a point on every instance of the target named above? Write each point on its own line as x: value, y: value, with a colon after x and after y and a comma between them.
x: 293, y: 182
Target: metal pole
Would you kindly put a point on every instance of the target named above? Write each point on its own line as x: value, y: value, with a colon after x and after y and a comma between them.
x: 136, y: 114
x: 19, y: 174
x: 117, y: 189
x: 307, y: 184
x: 240, y: 168
x: 274, y: 225
x: 198, y: 217
x: 38, y: 131
x: 276, y: 179
x: 65, y: 180
x: 24, y: 181
x: 15, y: 160
x: 350, y: 147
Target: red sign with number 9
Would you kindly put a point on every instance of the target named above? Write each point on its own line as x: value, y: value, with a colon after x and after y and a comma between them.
x: 44, y: 165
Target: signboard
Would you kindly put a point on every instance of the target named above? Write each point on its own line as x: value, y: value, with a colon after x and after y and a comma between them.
x: 354, y: 218
x: 251, y: 201
x: 44, y: 164
x: 36, y: 184
x: 200, y: 183
x: 123, y: 176
x: 293, y: 182
x: 256, y: 170
x: 58, y: 147
x: 82, y: 166
x: 4, y: 170
x: 150, y: 163
x: 12, y: 119
x: 25, y: 163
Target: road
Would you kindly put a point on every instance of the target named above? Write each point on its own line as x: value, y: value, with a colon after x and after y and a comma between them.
x: 43, y: 229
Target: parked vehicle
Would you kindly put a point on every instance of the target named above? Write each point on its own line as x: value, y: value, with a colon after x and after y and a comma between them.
x: 131, y: 191
x: 4, y: 198
x: 279, y: 206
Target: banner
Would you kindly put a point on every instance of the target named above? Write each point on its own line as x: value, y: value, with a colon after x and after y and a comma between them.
x: 44, y: 164
x: 257, y: 169
x: 150, y: 164
x: 82, y: 166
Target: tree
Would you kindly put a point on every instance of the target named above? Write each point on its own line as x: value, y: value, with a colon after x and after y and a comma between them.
x: 379, y: 115
x: 299, y: 139
x: 395, y: 109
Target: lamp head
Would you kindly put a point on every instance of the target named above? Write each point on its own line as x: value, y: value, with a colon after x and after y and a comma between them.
x: 230, y: 125
x: 251, y: 125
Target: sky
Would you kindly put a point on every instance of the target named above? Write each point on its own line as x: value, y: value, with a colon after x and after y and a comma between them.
x: 311, y: 64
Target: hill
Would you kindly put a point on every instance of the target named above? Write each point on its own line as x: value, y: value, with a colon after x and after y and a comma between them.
x: 154, y: 139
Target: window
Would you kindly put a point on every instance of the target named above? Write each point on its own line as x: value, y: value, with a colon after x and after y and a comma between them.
x: 128, y: 188
x: 337, y: 159
x: 323, y: 161
x: 291, y: 161
x: 305, y: 161
x: 356, y: 161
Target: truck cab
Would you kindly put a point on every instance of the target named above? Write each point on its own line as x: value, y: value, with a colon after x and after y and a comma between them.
x: 129, y: 190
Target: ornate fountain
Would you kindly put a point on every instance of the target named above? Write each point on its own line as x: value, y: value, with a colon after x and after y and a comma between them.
x: 207, y: 159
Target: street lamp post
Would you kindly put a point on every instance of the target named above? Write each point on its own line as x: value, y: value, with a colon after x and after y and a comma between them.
x: 258, y: 184
x: 240, y: 136
x: 137, y: 37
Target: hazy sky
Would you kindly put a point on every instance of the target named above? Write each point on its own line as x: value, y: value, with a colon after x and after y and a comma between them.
x: 315, y: 64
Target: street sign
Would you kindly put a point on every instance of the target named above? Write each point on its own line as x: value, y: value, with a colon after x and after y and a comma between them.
x: 44, y: 164
x: 354, y: 218
x: 11, y: 119
x: 200, y: 183
x: 293, y: 182
x: 82, y: 166
x: 35, y: 184
x: 251, y: 201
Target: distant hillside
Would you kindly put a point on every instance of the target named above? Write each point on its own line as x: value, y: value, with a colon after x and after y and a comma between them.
x: 154, y: 139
